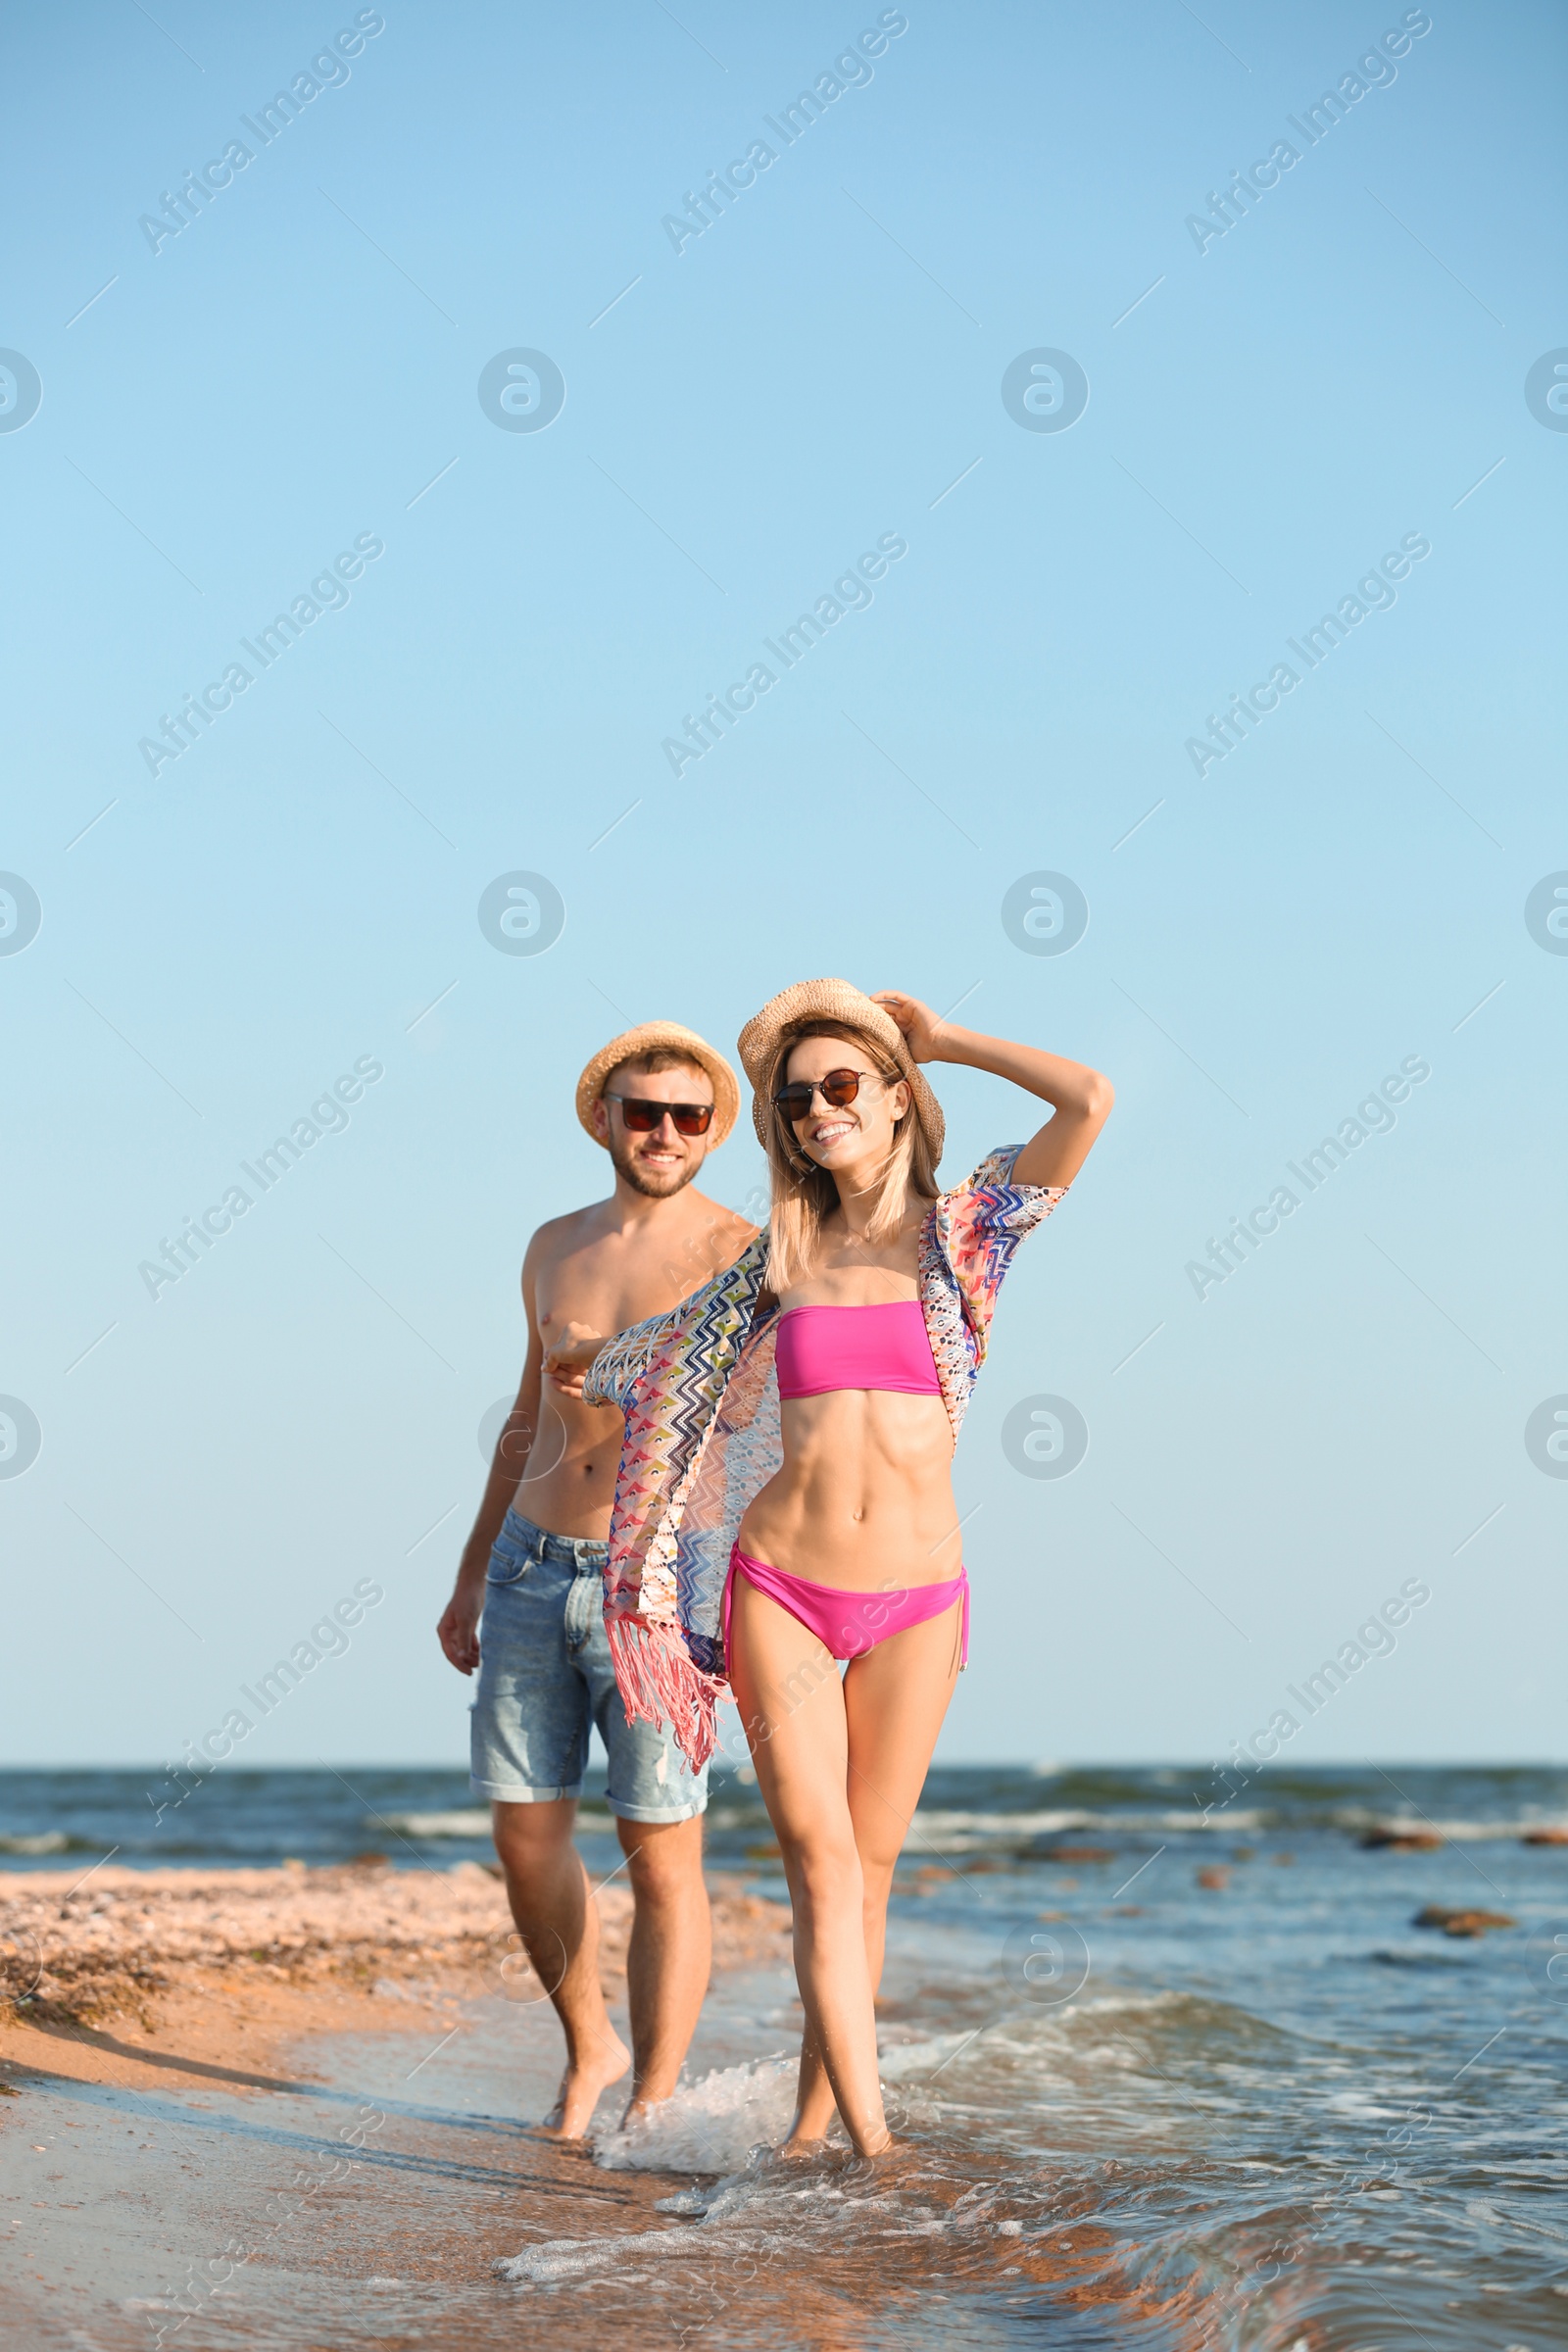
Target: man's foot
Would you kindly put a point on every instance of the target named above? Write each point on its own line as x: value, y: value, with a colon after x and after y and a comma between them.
x: 580, y: 2086
x: 639, y: 2107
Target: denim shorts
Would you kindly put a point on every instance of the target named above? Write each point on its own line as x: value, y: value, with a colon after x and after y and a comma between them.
x: 545, y: 1678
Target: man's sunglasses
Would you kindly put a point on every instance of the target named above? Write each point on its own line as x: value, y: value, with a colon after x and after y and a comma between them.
x: 837, y: 1091
x: 641, y: 1117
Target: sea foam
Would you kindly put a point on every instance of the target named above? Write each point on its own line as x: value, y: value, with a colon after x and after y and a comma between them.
x: 710, y: 2126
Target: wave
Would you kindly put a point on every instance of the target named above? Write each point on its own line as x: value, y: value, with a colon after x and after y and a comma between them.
x: 560, y: 2259
x: 940, y: 1823
x: 953, y: 1830
x: 722, y: 2122
x: 48, y: 1842
x: 476, y: 1824
x: 1454, y: 1832
x: 710, y: 2126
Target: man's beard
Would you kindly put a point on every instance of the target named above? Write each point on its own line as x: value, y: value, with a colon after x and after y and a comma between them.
x: 651, y: 1185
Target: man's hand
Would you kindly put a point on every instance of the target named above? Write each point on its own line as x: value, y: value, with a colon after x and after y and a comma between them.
x: 458, y: 1629
x: 567, y: 1359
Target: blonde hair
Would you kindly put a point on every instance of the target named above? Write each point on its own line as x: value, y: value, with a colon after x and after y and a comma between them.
x: 803, y: 1194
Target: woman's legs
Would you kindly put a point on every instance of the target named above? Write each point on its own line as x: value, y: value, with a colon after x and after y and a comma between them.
x: 895, y: 1699
x: 840, y: 1767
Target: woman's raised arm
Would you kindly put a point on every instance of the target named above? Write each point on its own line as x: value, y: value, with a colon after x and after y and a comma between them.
x: 1080, y: 1098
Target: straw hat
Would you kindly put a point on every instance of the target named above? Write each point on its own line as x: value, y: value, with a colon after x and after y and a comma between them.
x: 669, y: 1036
x: 832, y: 1001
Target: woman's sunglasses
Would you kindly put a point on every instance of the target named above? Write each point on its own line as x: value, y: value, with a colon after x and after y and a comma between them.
x: 641, y: 1117
x: 837, y: 1091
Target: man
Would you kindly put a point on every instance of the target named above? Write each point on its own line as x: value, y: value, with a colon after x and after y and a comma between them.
x: 659, y: 1098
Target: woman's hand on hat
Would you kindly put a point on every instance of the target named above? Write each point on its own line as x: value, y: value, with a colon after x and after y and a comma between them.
x: 922, y: 1031
x: 570, y: 1357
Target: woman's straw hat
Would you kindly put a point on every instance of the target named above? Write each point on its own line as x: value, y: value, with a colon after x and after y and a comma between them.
x: 651, y: 1037
x: 812, y: 1001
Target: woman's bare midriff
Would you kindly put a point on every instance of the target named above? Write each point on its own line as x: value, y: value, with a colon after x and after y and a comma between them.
x: 865, y: 1498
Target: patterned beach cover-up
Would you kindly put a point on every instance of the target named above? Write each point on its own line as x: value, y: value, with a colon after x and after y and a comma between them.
x: 699, y: 1394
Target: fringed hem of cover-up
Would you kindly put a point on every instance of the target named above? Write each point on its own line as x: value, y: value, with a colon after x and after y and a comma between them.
x: 660, y: 1685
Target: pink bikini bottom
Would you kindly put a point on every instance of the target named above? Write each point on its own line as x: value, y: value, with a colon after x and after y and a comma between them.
x: 849, y: 1624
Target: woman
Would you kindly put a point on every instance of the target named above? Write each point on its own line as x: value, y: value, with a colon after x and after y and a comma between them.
x: 785, y: 1495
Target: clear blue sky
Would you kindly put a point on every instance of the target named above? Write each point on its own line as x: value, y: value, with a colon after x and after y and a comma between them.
x: 820, y: 368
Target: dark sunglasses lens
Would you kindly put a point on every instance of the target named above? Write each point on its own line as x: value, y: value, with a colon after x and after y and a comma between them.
x: 641, y: 1118
x: 837, y: 1091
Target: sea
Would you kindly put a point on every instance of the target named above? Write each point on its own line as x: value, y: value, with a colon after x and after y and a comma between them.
x: 1281, y: 2069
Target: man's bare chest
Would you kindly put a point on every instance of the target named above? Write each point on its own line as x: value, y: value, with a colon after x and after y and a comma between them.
x: 608, y: 1289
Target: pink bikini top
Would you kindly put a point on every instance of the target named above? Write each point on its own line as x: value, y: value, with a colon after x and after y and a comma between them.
x: 826, y: 1347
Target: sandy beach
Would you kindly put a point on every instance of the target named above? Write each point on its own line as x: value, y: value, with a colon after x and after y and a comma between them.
x: 246, y: 1960
x: 221, y: 2089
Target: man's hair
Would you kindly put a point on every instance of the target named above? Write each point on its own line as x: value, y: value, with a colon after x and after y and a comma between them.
x: 657, y: 1057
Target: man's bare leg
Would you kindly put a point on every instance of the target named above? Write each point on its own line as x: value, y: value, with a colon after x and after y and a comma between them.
x: 671, y: 1953
x: 548, y: 1889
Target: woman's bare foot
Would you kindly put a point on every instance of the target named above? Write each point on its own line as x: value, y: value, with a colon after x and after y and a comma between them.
x: 603, y: 2062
